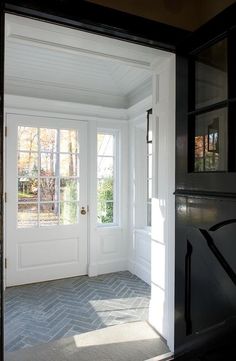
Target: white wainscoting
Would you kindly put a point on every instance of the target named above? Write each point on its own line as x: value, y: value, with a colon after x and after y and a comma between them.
x: 112, y: 250
x: 140, y: 263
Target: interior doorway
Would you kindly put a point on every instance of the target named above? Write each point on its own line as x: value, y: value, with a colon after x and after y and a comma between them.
x: 105, y: 187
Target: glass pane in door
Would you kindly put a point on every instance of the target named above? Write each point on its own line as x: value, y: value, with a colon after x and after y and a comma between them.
x: 48, y: 182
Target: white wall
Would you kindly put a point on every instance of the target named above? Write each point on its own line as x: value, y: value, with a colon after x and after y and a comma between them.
x: 107, y: 245
x: 139, y: 233
x: 126, y: 246
x: 152, y: 254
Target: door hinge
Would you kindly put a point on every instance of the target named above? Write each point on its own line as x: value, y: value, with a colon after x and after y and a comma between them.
x: 5, y: 197
x: 5, y: 261
x: 5, y: 131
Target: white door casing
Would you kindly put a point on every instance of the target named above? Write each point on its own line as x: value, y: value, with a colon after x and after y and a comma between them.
x: 161, y: 315
x: 43, y: 252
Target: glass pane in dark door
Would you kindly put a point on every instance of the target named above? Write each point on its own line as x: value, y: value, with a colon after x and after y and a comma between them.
x: 211, y: 75
x: 210, y: 140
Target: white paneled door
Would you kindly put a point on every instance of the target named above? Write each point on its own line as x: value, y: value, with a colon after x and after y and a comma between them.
x: 46, y: 199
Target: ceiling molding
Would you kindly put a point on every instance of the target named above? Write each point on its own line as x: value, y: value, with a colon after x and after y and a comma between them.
x: 61, y: 92
x: 139, y: 109
x: 15, y: 103
x: 140, y: 93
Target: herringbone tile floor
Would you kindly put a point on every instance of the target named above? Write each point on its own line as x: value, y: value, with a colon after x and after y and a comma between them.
x: 48, y: 311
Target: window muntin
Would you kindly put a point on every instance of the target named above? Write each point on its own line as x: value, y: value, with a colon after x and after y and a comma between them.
x: 48, y: 177
x: 107, y: 178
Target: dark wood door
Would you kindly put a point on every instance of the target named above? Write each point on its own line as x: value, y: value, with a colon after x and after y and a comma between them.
x: 205, y: 284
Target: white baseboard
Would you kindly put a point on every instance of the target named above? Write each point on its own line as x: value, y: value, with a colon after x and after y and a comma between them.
x: 112, y: 266
x: 131, y: 266
x: 92, y: 270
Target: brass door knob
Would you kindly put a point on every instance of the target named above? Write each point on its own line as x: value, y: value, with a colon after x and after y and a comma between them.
x: 83, y: 211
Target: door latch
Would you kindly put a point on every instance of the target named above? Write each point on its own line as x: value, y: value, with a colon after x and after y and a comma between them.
x: 83, y: 211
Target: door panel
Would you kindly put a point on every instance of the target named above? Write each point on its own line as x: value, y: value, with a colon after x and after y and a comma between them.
x: 205, y: 283
x: 46, y: 187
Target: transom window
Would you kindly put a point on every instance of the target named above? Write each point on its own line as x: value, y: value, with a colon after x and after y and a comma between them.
x: 106, y: 178
x: 48, y: 177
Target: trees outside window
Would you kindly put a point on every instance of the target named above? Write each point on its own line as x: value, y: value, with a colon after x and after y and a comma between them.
x: 106, y: 178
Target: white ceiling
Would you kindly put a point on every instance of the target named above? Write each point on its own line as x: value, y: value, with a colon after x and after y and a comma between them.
x: 47, y: 61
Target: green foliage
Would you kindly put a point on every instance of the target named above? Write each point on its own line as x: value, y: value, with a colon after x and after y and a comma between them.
x: 105, y: 200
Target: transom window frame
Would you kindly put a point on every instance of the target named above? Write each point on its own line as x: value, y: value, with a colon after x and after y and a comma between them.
x: 116, y: 133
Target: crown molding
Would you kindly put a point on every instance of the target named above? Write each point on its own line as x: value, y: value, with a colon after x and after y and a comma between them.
x: 61, y: 92
x: 62, y: 109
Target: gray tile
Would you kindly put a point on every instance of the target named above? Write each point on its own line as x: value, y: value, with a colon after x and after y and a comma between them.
x: 42, y: 312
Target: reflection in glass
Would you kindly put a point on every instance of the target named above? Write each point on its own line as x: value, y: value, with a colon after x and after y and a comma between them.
x: 105, y: 144
x: 69, y: 165
x: 49, y: 164
x: 68, y: 141
x: 27, y: 164
x: 211, y: 141
x: 27, y: 215
x: 48, y: 140
x: 27, y: 189
x: 48, y: 189
x: 211, y: 75
x: 69, y: 212
x: 49, y: 214
x: 28, y: 139
x: 104, y: 167
x: 69, y: 189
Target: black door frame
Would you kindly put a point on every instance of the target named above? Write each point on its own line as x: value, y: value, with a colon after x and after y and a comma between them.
x: 87, y: 17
